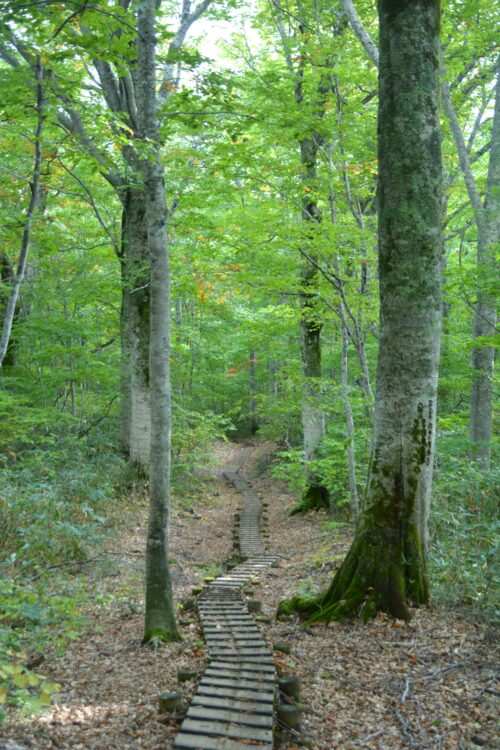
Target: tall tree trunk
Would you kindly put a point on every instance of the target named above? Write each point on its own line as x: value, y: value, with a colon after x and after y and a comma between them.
x: 274, y: 368
x: 7, y: 277
x: 344, y: 392
x: 386, y: 567
x: 485, y: 313
x: 136, y: 410
x: 10, y: 309
x: 316, y: 495
x: 254, y: 422
x: 160, y: 623
x: 125, y: 379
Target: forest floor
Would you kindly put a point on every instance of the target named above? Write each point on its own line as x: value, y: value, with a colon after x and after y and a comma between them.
x: 428, y: 684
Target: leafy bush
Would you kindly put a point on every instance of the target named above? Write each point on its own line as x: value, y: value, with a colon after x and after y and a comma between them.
x: 193, y: 437
x: 464, y: 531
x: 55, y: 505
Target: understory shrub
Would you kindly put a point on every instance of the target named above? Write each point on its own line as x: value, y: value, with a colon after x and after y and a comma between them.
x: 193, y: 437
x: 464, y: 532
x: 55, y: 506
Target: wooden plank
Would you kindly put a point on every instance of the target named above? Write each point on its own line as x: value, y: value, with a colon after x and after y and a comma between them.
x: 235, y: 636
x: 249, y: 666
x: 238, y: 683
x: 243, y: 674
x: 211, y: 701
x: 185, y: 741
x: 249, y: 661
x: 220, y: 637
x: 221, y: 634
x: 228, y: 622
x: 247, y: 626
x: 240, y: 716
x: 235, y: 693
x: 239, y: 652
x: 227, y: 729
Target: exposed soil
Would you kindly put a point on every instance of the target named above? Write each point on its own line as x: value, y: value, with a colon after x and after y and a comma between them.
x: 428, y: 684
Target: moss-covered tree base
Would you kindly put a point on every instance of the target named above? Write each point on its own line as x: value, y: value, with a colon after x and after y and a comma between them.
x: 376, y: 576
x: 315, y: 497
x: 154, y: 636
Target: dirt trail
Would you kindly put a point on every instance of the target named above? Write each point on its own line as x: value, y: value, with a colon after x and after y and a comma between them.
x: 386, y: 685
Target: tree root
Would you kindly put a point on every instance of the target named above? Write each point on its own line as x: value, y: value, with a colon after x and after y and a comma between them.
x: 373, y: 578
x: 315, y: 497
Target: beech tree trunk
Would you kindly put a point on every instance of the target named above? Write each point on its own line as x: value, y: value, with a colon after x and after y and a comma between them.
x: 485, y: 314
x: 344, y: 392
x: 316, y: 495
x: 252, y: 382
x: 136, y: 410
x: 386, y: 567
x: 160, y: 622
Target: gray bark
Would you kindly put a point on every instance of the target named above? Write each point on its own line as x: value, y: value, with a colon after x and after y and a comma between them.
x: 344, y: 392
x: 160, y: 623
x: 357, y: 26
x: 487, y: 219
x: 10, y: 309
x: 135, y: 331
x: 252, y: 381
x: 386, y: 567
x: 485, y: 314
x: 400, y: 479
x: 312, y: 415
x: 313, y: 418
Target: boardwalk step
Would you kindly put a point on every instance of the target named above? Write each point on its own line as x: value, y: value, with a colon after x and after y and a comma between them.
x: 217, y: 691
x: 213, y: 701
x: 233, y: 706
x: 239, y: 716
x: 186, y: 741
x: 227, y: 729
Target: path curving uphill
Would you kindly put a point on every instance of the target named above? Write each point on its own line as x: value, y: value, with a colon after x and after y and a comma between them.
x: 233, y: 706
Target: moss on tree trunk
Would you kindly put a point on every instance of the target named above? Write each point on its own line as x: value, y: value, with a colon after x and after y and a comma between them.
x: 386, y: 569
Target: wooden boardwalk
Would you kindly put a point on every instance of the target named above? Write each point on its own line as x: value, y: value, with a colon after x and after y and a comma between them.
x: 233, y: 706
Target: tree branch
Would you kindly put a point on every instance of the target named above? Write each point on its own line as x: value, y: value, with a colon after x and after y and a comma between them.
x: 35, y: 190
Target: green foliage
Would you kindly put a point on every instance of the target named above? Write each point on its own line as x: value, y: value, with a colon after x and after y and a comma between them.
x: 194, y: 434
x: 464, y: 549
x: 53, y: 503
x: 20, y: 687
x: 55, y: 507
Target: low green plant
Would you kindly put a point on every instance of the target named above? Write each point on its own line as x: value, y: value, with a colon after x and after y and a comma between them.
x: 56, y: 505
x: 464, y: 533
x: 193, y: 436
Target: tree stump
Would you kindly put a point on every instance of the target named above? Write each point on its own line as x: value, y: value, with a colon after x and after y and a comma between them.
x: 289, y: 716
x: 170, y: 703
x: 185, y: 675
x: 290, y: 686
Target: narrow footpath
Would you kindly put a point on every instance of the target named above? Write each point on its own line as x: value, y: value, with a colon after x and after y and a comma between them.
x: 233, y: 706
